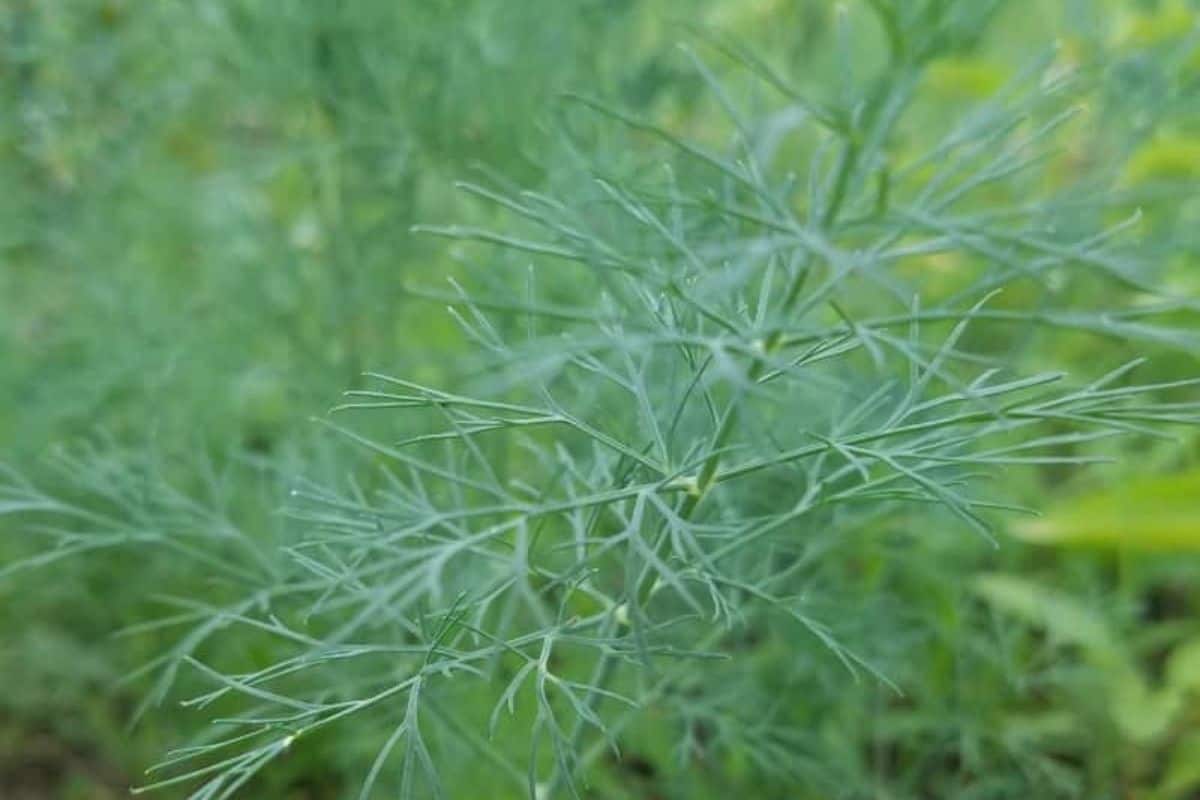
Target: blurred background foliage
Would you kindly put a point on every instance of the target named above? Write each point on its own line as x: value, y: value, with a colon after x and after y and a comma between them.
x: 205, y: 237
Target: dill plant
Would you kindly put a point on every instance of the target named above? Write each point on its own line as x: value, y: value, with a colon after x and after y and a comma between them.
x: 705, y: 372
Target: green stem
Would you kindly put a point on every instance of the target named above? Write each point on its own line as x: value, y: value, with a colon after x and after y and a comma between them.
x: 599, y: 680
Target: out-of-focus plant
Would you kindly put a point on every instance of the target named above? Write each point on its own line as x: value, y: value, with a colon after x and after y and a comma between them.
x: 1155, y: 719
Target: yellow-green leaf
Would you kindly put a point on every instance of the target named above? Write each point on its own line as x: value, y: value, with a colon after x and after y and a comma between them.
x: 1170, y: 20
x: 1140, y: 712
x: 1183, y: 666
x: 1168, y: 156
x: 1158, y: 513
x: 1182, y: 775
x: 966, y: 77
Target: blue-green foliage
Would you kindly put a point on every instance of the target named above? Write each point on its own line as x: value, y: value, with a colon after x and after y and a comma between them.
x: 690, y: 416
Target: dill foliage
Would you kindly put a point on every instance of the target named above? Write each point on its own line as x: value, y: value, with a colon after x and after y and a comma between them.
x: 708, y: 367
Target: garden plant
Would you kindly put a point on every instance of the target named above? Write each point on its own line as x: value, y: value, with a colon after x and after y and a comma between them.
x: 734, y: 476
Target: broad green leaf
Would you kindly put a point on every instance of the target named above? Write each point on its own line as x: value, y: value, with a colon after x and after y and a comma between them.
x: 1182, y: 775
x: 1140, y: 712
x: 1183, y: 666
x: 1039, y: 728
x: 1159, y: 513
x: 1064, y: 618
